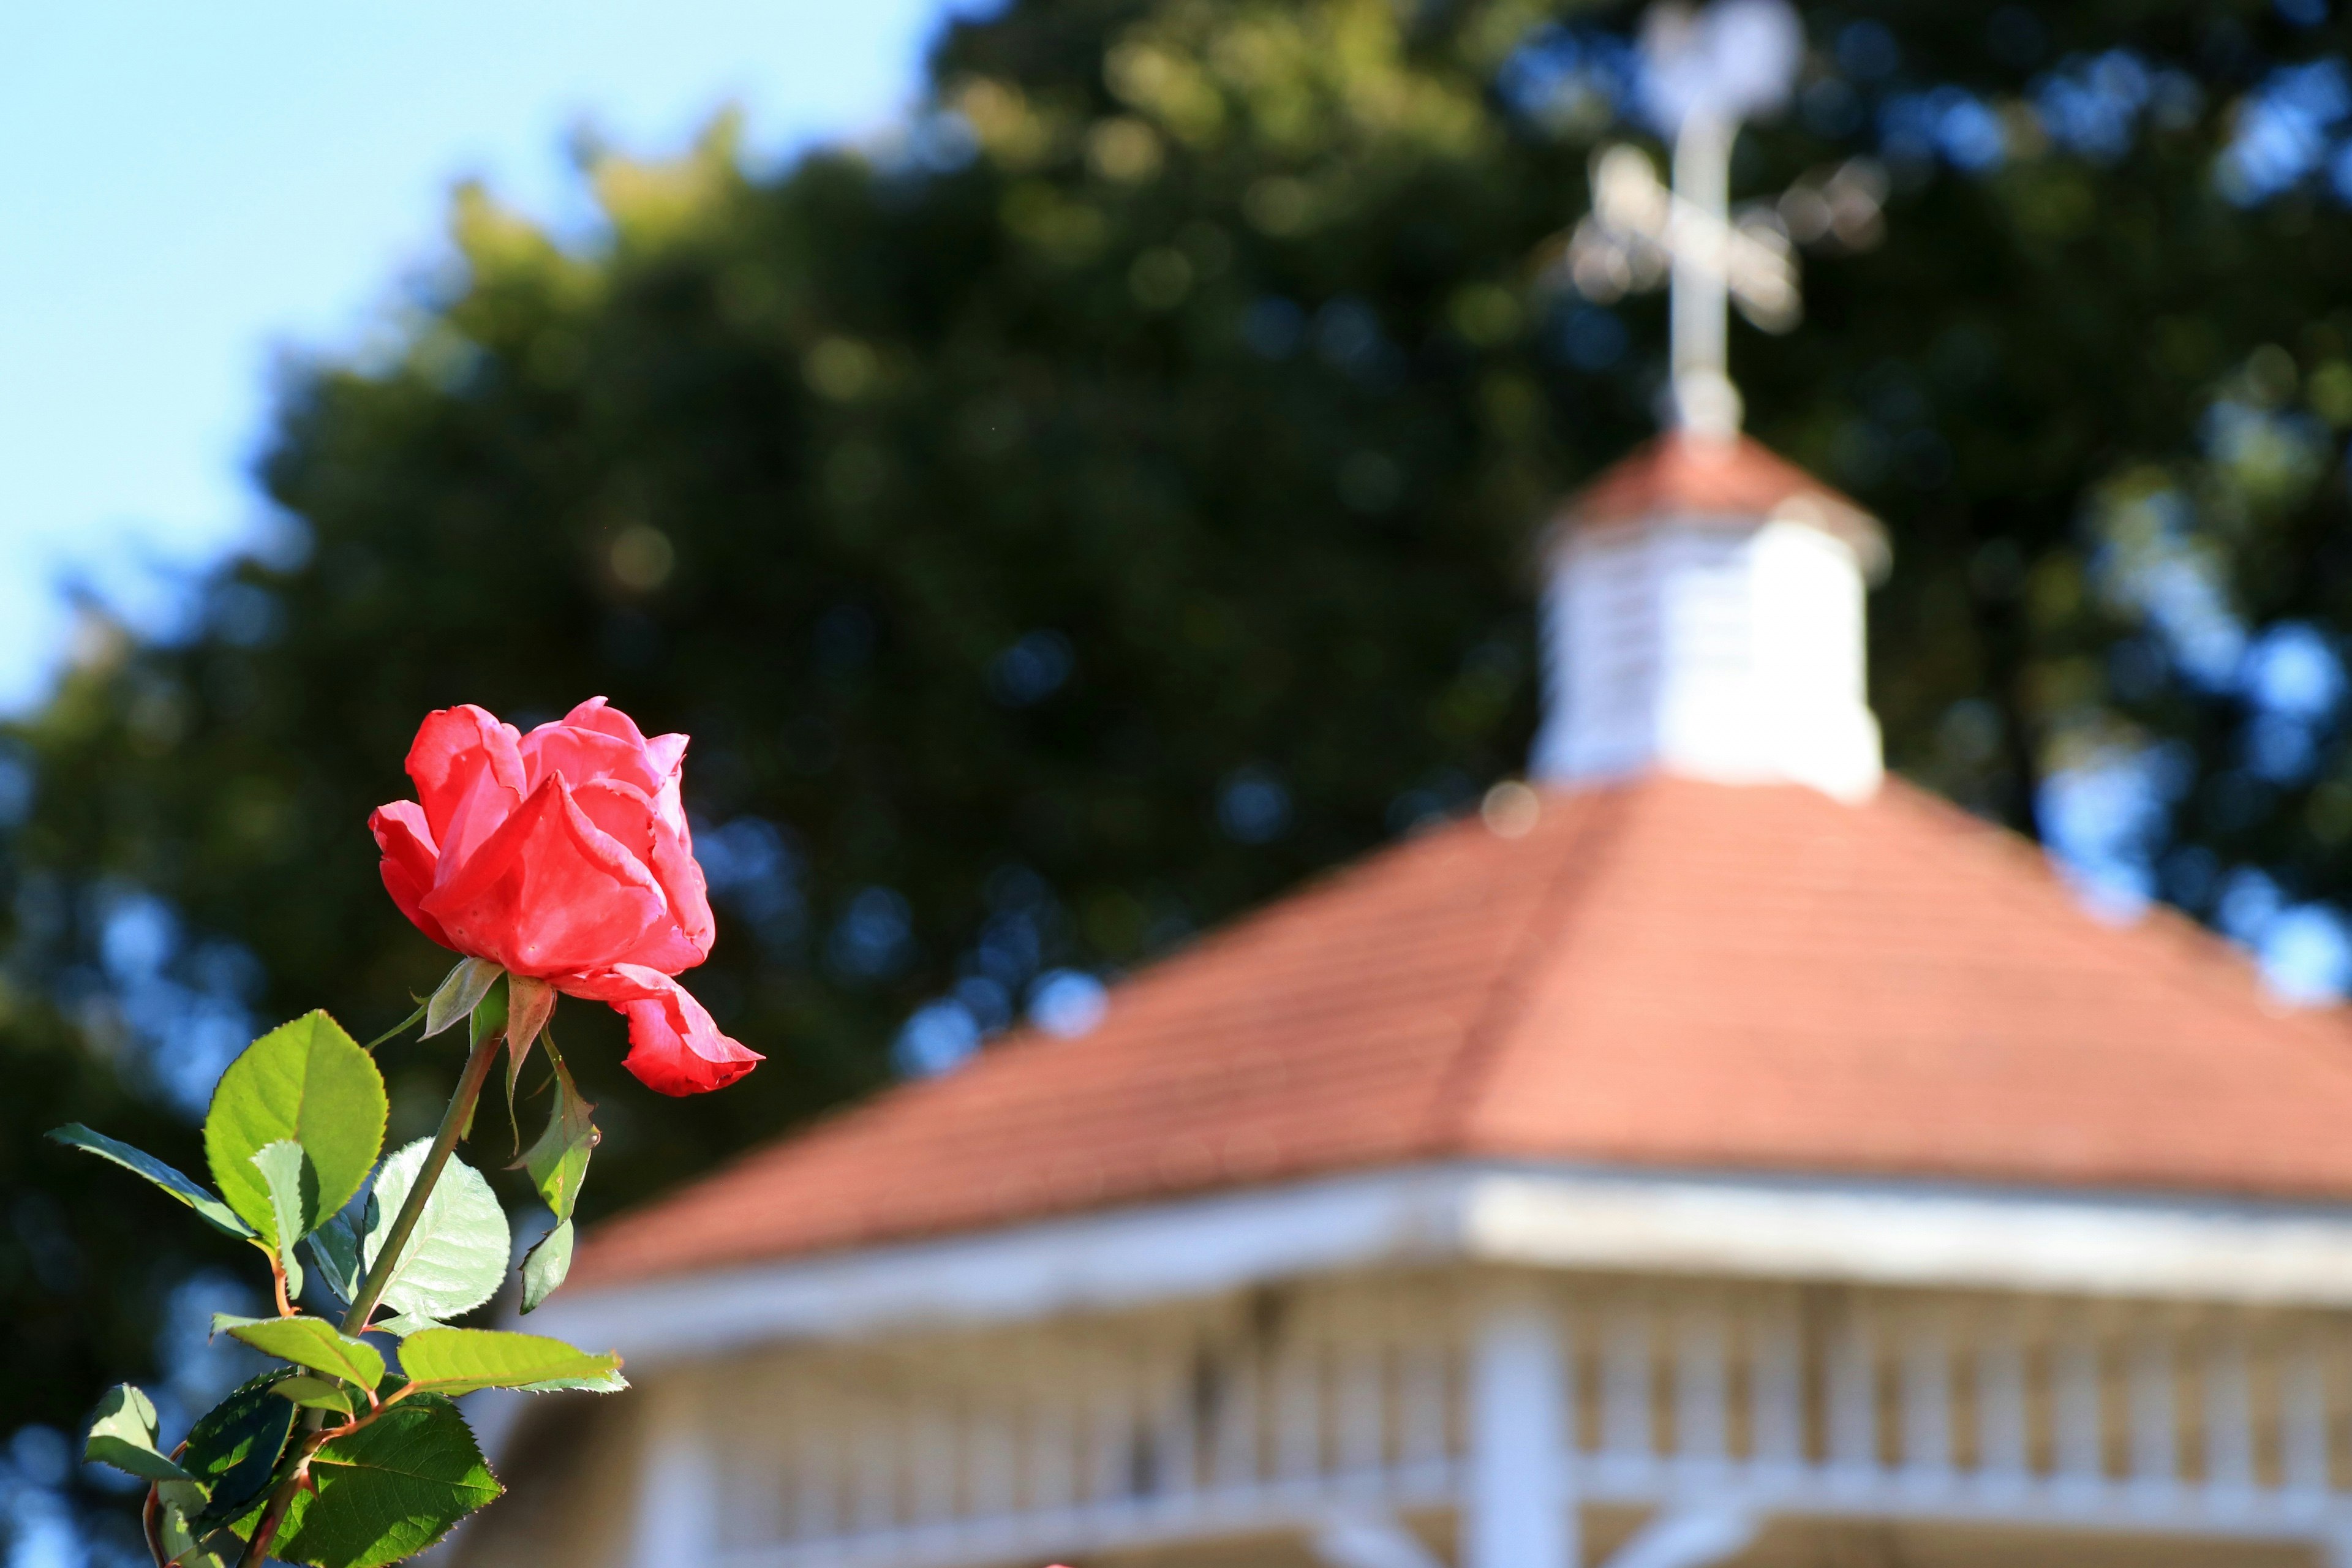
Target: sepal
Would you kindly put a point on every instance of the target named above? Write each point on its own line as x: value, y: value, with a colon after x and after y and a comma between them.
x: 459, y: 993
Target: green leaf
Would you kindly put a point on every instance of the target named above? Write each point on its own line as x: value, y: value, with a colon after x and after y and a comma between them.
x: 611, y: 1383
x: 314, y: 1393
x: 313, y: 1343
x: 183, y: 1547
x: 334, y: 1250
x: 123, y: 1433
x: 74, y: 1135
x: 459, y: 1361
x: 558, y: 1161
x: 545, y: 1264
x: 403, y: 1324
x: 308, y: 1081
x: 459, y: 993
x: 233, y: 1446
x: 390, y: 1489
x: 285, y: 1171
x: 456, y: 1256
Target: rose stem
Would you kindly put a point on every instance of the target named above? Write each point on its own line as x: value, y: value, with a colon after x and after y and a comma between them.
x: 453, y: 1122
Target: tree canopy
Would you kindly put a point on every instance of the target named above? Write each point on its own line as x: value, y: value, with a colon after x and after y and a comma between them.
x: 1075, y: 518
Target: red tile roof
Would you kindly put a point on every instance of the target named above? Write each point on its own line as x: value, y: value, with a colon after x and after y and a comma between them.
x: 1663, y: 974
x: 1738, y: 481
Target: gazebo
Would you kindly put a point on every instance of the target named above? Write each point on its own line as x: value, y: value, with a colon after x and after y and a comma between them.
x: 1708, y: 1153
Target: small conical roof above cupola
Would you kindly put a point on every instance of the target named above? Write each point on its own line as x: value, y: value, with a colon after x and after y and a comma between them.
x: 1731, y: 480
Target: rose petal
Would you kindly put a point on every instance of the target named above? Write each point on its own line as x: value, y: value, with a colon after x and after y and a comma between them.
x: 664, y: 754
x: 682, y: 938
x: 600, y: 715
x: 548, y: 893
x: 584, y: 756
x: 409, y: 857
x: 680, y: 875
x: 469, y: 778
x: 673, y: 1046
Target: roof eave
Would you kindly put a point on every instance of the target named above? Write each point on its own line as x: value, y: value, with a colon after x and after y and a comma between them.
x: 1529, y: 1215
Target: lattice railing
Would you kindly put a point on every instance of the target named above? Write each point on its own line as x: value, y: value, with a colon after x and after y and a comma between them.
x: 1274, y: 1410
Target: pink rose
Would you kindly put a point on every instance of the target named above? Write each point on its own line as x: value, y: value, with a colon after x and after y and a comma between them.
x: 563, y: 854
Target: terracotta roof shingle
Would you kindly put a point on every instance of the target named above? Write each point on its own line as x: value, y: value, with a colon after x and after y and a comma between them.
x: 1663, y: 974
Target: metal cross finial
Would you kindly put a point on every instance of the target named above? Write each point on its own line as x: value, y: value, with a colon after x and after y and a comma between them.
x: 1704, y: 72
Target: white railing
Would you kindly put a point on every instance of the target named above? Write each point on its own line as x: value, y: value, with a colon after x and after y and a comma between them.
x: 1285, y: 1410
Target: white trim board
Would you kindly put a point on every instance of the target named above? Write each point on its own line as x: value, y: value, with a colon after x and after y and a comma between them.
x: 1563, y: 1217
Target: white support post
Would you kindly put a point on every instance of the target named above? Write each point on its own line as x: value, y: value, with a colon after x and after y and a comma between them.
x: 1519, y: 1506
x: 678, y: 1503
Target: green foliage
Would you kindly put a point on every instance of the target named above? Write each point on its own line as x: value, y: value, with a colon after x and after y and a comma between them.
x: 315, y: 1394
x: 233, y: 1449
x: 456, y: 1256
x: 459, y: 1361
x: 186, y: 1545
x: 388, y: 1490
x: 217, y: 1214
x: 309, y: 1082
x: 334, y: 1250
x: 547, y: 1263
x: 310, y: 1341
x: 123, y: 1433
x: 284, y: 1168
x: 558, y: 1163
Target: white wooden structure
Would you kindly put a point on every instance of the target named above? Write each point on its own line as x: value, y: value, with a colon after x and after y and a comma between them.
x: 1717, y: 1156
x: 1501, y: 1369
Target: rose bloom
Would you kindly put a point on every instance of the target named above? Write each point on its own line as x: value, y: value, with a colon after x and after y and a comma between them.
x: 563, y: 854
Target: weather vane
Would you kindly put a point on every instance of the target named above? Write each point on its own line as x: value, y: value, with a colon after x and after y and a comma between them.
x: 1704, y: 73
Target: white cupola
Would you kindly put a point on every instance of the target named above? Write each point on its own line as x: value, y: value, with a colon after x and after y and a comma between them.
x: 1703, y: 615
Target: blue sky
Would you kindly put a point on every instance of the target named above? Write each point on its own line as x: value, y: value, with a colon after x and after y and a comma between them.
x: 187, y: 190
